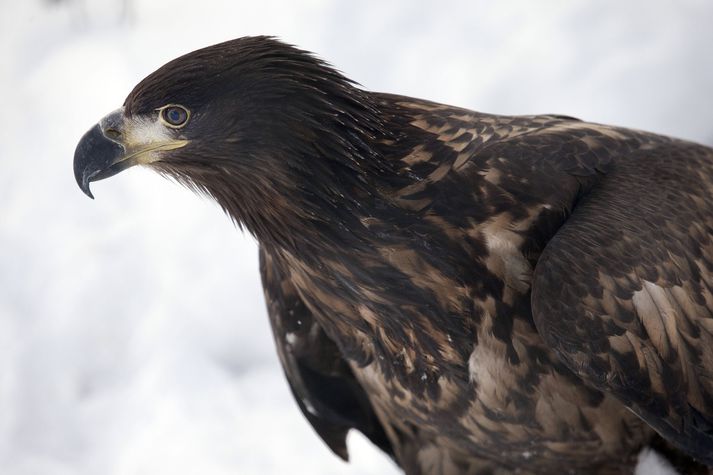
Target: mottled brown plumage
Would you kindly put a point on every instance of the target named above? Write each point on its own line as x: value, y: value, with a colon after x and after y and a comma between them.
x: 475, y: 293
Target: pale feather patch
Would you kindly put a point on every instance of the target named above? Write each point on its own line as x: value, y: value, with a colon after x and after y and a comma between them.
x: 505, y: 259
x: 652, y: 317
x: 143, y: 138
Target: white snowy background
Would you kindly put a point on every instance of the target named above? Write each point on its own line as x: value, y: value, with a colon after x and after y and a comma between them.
x: 133, y: 336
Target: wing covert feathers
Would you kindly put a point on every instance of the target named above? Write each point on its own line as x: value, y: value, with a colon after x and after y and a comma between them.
x: 624, y: 290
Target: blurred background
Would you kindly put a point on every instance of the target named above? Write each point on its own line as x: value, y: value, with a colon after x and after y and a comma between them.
x: 133, y: 335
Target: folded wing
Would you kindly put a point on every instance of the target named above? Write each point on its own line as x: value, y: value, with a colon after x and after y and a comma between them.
x: 624, y: 291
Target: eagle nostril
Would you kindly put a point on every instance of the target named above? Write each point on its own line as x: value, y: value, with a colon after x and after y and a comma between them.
x: 112, y: 134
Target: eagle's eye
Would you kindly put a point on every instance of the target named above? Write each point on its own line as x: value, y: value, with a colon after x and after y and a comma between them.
x: 174, y: 115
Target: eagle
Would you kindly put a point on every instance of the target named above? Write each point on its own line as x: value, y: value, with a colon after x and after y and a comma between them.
x: 475, y: 293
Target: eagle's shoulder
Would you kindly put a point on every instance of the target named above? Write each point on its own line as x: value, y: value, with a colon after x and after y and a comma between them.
x: 439, y: 143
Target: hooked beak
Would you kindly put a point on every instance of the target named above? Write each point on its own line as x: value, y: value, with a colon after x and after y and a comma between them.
x: 117, y: 143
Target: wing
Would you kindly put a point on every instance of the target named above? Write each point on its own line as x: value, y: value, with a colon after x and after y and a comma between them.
x: 320, y: 379
x: 624, y: 290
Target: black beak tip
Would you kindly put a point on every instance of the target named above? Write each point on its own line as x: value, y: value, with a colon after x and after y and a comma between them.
x: 83, y: 177
x: 85, y: 188
x: 93, y: 156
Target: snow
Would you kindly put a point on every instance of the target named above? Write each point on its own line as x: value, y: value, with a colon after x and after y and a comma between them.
x: 651, y: 463
x: 133, y: 335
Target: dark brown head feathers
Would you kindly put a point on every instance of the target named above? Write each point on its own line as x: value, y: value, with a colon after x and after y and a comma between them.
x: 266, y: 116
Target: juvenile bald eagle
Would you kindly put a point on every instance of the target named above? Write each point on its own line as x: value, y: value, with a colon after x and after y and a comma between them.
x: 476, y: 293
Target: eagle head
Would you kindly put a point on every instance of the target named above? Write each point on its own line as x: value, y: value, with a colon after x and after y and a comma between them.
x: 269, y: 131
